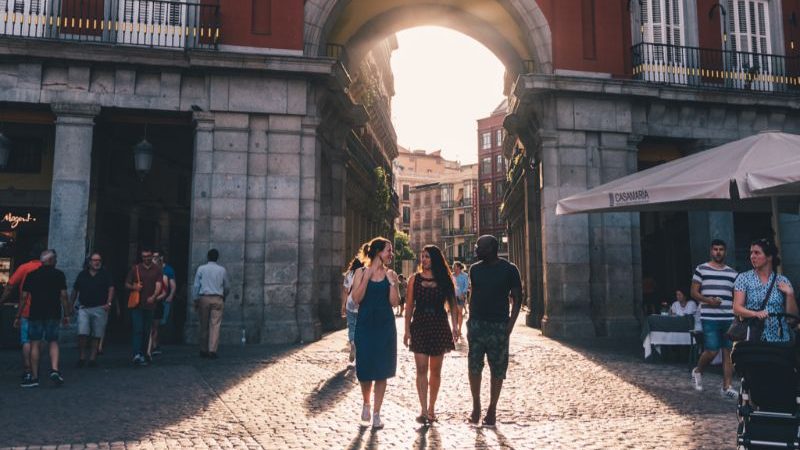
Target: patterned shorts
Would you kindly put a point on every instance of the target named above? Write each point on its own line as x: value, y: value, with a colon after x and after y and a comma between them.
x: 490, y: 339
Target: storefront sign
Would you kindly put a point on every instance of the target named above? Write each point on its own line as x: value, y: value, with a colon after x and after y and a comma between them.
x: 15, y: 220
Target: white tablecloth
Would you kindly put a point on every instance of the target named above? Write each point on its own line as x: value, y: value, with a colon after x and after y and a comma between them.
x: 658, y: 338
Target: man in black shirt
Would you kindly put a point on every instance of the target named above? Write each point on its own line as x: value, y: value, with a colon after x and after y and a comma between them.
x: 94, y: 291
x: 489, y: 326
x: 46, y: 290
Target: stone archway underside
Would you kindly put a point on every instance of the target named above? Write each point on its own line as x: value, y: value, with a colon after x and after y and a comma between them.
x: 515, y: 30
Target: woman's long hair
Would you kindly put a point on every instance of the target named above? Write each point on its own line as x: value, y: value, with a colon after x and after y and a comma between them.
x: 372, y: 248
x: 441, y: 271
x: 355, y: 263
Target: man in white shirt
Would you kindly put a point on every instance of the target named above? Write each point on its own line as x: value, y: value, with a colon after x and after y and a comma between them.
x: 210, y: 287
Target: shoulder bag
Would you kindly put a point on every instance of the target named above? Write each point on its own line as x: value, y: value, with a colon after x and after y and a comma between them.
x: 750, y: 329
x: 133, y: 296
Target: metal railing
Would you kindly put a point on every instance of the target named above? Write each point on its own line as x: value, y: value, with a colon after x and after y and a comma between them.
x: 450, y: 204
x: 713, y: 68
x: 446, y: 232
x: 152, y: 23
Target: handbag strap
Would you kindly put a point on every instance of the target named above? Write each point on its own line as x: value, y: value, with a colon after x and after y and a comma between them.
x: 769, y: 291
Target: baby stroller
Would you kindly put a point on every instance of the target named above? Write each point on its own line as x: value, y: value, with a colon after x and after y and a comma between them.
x: 769, y: 400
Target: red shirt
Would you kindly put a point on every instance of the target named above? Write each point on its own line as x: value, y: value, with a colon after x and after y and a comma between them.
x: 18, y: 279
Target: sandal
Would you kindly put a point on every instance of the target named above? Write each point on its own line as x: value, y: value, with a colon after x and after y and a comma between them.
x: 422, y: 418
x: 474, y: 418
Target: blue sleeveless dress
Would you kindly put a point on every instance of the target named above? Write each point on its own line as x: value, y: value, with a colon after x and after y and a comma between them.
x: 376, y: 335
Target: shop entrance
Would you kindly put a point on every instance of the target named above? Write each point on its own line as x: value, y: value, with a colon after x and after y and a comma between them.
x: 130, y: 210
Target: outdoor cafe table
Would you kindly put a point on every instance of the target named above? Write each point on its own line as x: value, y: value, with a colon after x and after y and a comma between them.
x: 667, y: 330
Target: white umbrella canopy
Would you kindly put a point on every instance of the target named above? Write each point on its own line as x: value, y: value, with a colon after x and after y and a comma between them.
x: 714, y: 179
x: 783, y: 179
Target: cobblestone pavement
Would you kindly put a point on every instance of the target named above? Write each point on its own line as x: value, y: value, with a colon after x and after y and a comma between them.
x: 592, y: 394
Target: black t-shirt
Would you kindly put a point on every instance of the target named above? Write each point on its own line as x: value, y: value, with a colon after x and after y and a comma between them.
x: 491, y: 286
x: 93, y: 290
x: 45, y: 285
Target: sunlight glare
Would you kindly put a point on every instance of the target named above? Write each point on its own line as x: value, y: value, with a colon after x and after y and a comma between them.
x: 444, y: 82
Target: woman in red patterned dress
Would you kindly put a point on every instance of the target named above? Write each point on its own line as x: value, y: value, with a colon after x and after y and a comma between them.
x: 427, y: 330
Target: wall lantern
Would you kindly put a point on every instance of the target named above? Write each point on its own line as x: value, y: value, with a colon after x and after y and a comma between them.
x: 5, y: 151
x: 143, y: 157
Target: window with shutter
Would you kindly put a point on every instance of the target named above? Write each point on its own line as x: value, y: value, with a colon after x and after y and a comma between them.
x: 749, y: 23
x: 663, y: 38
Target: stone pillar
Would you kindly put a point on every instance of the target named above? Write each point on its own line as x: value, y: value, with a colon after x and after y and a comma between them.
x: 790, y: 247
x: 338, y: 238
x: 283, y: 230
x: 310, y: 236
x: 200, y: 229
x: 69, y: 197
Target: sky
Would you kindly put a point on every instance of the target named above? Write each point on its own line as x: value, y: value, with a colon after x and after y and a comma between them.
x: 444, y: 82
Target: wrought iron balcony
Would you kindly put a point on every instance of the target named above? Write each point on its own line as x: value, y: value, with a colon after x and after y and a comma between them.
x: 152, y: 23
x: 450, y: 232
x: 712, y: 68
x: 450, y: 204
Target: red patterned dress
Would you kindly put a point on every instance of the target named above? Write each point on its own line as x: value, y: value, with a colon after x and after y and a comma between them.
x: 430, y: 330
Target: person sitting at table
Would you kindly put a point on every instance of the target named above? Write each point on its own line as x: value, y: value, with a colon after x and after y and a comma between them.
x: 682, y: 306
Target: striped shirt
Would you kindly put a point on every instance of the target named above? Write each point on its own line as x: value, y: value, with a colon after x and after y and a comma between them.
x: 716, y: 283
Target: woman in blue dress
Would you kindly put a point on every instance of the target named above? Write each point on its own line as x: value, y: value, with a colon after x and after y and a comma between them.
x: 375, y: 291
x: 751, y: 288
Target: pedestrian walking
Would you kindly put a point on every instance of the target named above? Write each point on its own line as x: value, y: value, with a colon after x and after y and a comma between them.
x: 712, y: 288
x: 146, y: 279
x: 46, y: 291
x: 760, y: 292
x: 402, y: 285
x: 211, y: 285
x: 350, y: 307
x: 489, y: 326
x: 375, y: 291
x: 461, y: 280
x: 17, y: 280
x: 93, y: 291
x: 164, y: 298
x: 427, y: 332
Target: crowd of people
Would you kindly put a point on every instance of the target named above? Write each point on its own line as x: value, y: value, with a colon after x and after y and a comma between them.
x: 434, y: 301
x: 719, y: 294
x: 45, y: 306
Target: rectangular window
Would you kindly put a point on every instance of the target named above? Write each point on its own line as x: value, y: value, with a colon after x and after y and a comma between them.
x: 498, y: 191
x: 486, y: 165
x: 406, y: 192
x: 486, y: 140
x: 25, y: 156
x: 499, y: 137
x: 748, y: 24
x: 406, y: 214
x: 486, y: 191
x: 498, y: 218
x: 662, y: 25
x: 498, y: 164
x: 486, y: 216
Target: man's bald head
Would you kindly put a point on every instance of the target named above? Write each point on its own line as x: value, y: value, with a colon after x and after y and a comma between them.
x: 486, y: 247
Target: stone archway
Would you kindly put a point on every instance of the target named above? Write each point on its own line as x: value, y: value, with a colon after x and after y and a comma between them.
x: 516, y: 32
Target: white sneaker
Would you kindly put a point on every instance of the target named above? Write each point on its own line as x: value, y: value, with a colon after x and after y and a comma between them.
x: 697, y: 378
x: 365, y: 413
x: 377, y: 423
x: 730, y: 393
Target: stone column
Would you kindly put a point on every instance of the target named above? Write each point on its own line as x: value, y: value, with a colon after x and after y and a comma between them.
x: 705, y: 226
x: 200, y: 228
x: 283, y: 232
x: 69, y: 197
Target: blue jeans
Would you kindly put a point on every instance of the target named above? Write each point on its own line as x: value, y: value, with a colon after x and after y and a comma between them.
x: 142, y: 320
x: 351, y: 325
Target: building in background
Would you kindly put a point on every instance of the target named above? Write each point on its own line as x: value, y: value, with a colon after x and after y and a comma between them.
x: 414, y: 168
x: 459, y: 214
x: 492, y: 166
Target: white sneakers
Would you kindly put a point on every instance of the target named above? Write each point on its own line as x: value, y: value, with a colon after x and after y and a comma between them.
x: 729, y: 393
x: 697, y: 379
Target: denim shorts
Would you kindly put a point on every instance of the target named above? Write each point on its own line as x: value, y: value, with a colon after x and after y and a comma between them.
x: 23, y: 331
x: 351, y: 325
x: 714, y: 334
x: 43, y: 330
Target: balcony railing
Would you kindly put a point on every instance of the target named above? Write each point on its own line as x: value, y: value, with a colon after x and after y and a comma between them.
x: 152, y: 23
x: 446, y: 232
x: 450, y: 204
x: 712, y: 68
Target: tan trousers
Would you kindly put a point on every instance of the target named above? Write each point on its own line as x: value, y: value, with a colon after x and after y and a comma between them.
x: 209, y: 308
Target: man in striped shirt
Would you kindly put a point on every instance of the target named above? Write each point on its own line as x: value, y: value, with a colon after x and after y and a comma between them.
x: 712, y: 288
